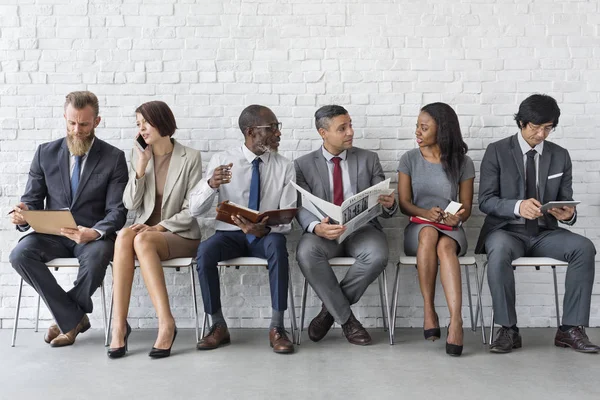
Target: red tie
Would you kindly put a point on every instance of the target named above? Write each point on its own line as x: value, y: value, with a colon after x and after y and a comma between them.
x: 338, y: 187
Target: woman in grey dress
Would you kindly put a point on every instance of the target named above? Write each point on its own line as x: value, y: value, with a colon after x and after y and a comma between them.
x: 429, y: 177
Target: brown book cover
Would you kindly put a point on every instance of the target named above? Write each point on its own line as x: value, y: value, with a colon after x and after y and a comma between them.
x: 226, y: 209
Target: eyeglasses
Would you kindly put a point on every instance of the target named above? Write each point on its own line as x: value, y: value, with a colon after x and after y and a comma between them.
x: 537, y: 128
x: 274, y: 127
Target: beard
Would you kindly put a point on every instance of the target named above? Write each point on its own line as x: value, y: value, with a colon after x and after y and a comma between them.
x: 79, y: 146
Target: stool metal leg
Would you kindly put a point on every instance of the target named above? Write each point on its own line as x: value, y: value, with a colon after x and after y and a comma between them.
x: 387, y: 306
x: 302, y: 310
x: 14, y: 335
x: 104, y: 322
x: 292, y: 311
x: 194, y: 301
x: 556, y: 297
x: 492, y: 327
x: 110, y: 313
x: 37, y: 313
x: 204, y: 320
x: 381, y: 301
x: 468, y: 279
x: 394, y: 303
x: 479, y: 302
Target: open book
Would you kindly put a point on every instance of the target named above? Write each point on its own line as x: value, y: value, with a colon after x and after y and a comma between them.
x: 353, y: 213
x: 226, y: 209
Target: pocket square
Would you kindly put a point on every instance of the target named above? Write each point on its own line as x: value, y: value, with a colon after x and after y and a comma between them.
x: 555, y: 175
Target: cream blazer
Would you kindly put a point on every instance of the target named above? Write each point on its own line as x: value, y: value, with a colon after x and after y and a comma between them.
x: 185, y: 171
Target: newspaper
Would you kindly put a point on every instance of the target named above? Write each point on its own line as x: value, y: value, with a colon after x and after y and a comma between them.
x: 353, y: 213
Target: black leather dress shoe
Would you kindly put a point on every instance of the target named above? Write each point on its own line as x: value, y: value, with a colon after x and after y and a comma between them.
x: 576, y: 339
x: 320, y: 325
x: 355, y: 333
x: 506, y: 340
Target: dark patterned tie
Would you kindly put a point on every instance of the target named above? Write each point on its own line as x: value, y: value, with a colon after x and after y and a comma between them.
x: 338, y: 186
x: 531, y: 191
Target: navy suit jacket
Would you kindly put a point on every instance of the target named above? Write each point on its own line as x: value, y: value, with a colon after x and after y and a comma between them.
x: 502, y: 183
x: 98, y: 203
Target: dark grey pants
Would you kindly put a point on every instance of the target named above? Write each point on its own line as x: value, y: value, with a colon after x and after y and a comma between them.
x: 28, y: 258
x: 368, y: 246
x: 504, y: 245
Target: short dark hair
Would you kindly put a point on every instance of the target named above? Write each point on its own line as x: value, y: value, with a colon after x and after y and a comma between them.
x: 449, y: 138
x: 80, y: 100
x: 251, y: 116
x: 324, y: 114
x: 538, y: 109
x: 158, y: 114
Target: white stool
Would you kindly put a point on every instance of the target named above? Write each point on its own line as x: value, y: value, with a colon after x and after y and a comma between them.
x: 536, y: 262
x: 412, y: 261
x: 56, y: 264
x: 258, y: 262
x: 177, y: 263
x: 347, y: 262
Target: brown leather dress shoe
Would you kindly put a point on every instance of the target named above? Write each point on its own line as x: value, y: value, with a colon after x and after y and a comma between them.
x: 53, y: 332
x: 576, y: 339
x: 355, y: 333
x: 279, y: 341
x: 320, y: 325
x: 67, y: 339
x: 217, y: 336
x: 506, y: 340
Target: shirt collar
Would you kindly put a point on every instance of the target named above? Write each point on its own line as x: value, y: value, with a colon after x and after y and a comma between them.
x: 525, y: 147
x: 328, y: 156
x: 87, y: 152
x: 250, y: 156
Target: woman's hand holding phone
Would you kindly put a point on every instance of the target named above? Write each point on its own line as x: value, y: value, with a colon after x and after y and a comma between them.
x: 144, y: 153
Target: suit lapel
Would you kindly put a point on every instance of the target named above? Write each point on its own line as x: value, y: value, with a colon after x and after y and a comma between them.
x: 353, y: 170
x: 175, y: 169
x: 518, y: 156
x: 90, y: 164
x: 65, y: 173
x: 544, y: 167
x: 323, y: 172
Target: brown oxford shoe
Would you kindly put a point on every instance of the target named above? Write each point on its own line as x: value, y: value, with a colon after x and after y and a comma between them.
x: 279, y: 341
x: 355, y: 333
x: 217, y: 336
x: 53, y: 332
x: 67, y: 339
x: 576, y: 339
x: 320, y: 325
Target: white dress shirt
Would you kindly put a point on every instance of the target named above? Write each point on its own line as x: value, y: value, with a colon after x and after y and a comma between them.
x: 276, y: 191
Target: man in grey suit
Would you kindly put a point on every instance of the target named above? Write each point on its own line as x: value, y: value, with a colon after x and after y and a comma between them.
x: 518, y: 175
x: 335, y: 172
x: 86, y: 175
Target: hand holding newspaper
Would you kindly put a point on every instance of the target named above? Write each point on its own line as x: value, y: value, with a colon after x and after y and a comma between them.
x: 353, y: 213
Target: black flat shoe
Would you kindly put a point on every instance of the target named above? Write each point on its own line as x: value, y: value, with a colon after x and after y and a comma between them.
x: 162, y: 353
x: 433, y: 334
x: 453, y: 349
x: 120, y: 351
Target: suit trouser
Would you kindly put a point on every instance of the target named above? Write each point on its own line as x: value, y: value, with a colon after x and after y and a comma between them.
x: 29, y: 259
x: 224, y: 245
x: 505, y: 245
x: 368, y: 246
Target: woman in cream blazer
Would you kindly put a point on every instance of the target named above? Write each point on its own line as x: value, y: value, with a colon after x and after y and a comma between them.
x: 159, y: 182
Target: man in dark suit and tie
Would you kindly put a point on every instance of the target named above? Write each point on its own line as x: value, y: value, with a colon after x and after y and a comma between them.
x: 335, y: 172
x: 518, y: 175
x: 86, y: 175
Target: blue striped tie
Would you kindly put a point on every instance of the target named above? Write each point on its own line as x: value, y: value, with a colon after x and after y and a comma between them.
x: 254, y: 198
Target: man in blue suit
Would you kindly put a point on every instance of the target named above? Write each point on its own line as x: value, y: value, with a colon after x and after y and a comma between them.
x: 86, y: 175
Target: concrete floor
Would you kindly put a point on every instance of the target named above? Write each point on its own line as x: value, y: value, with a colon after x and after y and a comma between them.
x: 330, y: 369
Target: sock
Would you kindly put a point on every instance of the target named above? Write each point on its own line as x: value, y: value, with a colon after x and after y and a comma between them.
x: 514, y: 328
x: 217, y: 318
x: 276, y: 319
x: 564, y: 328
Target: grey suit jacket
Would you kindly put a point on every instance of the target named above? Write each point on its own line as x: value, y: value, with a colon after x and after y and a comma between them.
x: 98, y: 202
x: 185, y: 170
x: 502, y: 183
x: 312, y: 174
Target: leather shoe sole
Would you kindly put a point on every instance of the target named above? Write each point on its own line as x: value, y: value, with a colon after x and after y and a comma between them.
x: 501, y: 350
x: 558, y: 343
x: 282, y: 351
x: 205, y: 346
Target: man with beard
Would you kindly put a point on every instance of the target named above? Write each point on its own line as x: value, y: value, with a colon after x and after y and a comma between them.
x: 252, y: 175
x: 86, y: 175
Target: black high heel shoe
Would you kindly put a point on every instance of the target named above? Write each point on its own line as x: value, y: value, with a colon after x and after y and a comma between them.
x: 453, y: 349
x: 162, y: 353
x: 120, y: 351
x: 433, y: 334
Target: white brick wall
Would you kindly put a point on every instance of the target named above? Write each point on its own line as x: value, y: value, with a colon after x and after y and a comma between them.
x: 381, y: 59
